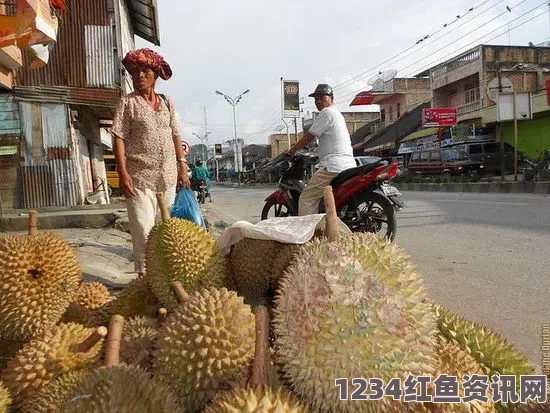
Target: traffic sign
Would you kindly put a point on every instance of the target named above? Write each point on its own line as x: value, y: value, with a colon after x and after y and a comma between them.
x: 186, y: 148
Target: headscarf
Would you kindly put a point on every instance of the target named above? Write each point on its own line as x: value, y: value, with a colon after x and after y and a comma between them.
x: 149, y: 58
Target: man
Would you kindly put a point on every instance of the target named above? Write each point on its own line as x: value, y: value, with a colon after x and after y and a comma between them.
x: 200, y: 173
x: 335, y: 150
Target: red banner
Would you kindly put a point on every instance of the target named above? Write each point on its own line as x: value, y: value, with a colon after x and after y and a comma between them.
x: 438, y: 117
x: 548, y: 92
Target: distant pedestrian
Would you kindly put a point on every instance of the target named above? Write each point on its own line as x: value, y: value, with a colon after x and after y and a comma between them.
x: 147, y: 147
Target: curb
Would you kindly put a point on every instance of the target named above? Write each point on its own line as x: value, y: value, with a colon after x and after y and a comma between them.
x: 481, y: 187
x: 69, y: 219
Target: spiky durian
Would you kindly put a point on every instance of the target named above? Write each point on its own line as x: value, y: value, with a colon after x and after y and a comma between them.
x: 136, y: 299
x: 179, y: 250
x: 5, y: 398
x: 53, y: 396
x: 139, y: 334
x: 8, y: 348
x: 486, y: 346
x: 122, y: 389
x: 205, y: 345
x: 48, y: 355
x: 90, y: 297
x: 283, y: 259
x: 352, y: 308
x: 256, y: 400
x: 251, y: 263
x: 39, y: 277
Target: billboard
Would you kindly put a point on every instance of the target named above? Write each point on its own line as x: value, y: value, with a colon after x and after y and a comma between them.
x: 438, y: 117
x: 291, y: 98
x: 506, y: 106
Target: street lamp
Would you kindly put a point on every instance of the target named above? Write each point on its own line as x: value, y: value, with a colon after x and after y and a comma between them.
x: 203, y: 138
x: 233, y: 102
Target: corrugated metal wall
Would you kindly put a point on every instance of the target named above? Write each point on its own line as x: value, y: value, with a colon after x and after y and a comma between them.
x: 54, y: 126
x: 125, y: 39
x: 10, y: 123
x: 100, y: 56
x: 67, y: 65
x: 25, y: 111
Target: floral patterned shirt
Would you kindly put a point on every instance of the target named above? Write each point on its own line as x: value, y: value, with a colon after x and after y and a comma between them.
x: 149, y: 146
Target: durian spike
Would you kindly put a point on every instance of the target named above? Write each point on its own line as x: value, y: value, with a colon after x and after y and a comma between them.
x: 162, y: 205
x: 112, y: 345
x: 260, y: 365
x: 332, y: 229
x: 162, y: 313
x: 180, y: 292
x: 89, y: 342
x: 142, y: 355
x: 33, y: 221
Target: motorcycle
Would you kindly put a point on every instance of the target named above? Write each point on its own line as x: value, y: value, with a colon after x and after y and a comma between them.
x: 202, y: 191
x: 364, y: 199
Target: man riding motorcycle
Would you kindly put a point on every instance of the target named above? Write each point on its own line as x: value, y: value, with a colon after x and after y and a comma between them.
x: 200, y: 173
x: 335, y: 150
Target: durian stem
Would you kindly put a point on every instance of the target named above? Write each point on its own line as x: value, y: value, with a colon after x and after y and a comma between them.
x: 333, y: 230
x: 180, y: 292
x: 112, y: 345
x: 260, y: 366
x: 142, y: 355
x: 162, y: 205
x: 90, y: 341
x: 33, y: 221
x: 162, y: 313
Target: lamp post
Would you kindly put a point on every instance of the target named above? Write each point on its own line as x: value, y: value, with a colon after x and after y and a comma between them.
x: 203, y: 138
x: 233, y: 102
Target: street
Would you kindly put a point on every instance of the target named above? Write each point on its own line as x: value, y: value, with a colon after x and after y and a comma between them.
x: 484, y: 256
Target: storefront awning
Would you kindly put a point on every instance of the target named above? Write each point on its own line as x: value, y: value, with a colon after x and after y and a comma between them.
x: 420, y: 134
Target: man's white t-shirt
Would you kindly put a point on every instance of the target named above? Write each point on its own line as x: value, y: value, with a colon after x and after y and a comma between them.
x: 335, y: 150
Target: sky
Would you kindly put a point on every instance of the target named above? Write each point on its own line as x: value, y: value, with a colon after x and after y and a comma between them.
x: 243, y: 44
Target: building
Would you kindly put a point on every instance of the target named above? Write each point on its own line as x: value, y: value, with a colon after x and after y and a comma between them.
x: 356, y: 120
x: 60, y: 112
x: 471, y: 81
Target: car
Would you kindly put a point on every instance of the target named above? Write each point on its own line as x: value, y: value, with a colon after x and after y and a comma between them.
x: 444, y: 161
x: 364, y: 160
x: 488, y: 152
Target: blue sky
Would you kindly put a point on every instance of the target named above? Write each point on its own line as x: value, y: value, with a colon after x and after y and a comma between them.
x: 243, y: 44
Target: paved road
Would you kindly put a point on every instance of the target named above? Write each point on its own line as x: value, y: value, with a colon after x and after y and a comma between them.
x: 486, y: 256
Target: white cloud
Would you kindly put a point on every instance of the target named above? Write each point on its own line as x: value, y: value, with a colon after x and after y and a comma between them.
x: 245, y: 44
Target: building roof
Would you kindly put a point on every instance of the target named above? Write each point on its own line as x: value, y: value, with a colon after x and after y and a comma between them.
x: 144, y: 15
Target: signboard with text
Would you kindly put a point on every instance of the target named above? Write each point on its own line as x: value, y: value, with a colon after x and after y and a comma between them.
x: 291, y: 99
x: 438, y: 117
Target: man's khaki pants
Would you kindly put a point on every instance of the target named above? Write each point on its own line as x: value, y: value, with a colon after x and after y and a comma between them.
x: 143, y: 213
x: 310, y: 198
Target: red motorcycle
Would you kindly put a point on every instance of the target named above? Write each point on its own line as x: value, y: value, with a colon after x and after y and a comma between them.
x: 364, y: 200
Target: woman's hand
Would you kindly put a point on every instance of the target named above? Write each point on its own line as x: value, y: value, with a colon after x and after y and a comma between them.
x: 183, y: 180
x: 126, y: 184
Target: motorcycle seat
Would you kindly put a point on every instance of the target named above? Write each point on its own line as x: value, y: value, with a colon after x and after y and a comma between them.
x: 350, y: 173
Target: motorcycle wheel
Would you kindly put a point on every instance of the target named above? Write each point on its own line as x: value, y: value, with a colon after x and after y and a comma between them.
x: 278, y: 209
x: 201, y: 197
x: 375, y: 210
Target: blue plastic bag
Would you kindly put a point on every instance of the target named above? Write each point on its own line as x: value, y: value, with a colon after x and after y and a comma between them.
x: 186, y: 206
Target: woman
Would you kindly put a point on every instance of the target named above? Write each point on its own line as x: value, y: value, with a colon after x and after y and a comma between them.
x: 147, y: 148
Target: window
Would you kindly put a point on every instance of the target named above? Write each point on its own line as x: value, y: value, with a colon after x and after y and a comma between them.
x: 475, y: 149
x: 471, y: 95
x: 391, y: 113
x: 424, y: 156
x: 383, y: 115
x: 415, y: 156
x: 435, y: 156
x: 492, y: 148
x: 398, y: 110
x: 7, y: 7
x: 453, y: 154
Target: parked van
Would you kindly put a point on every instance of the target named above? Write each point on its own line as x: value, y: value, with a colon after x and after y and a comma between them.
x: 112, y: 174
x: 489, y: 154
x: 444, y: 161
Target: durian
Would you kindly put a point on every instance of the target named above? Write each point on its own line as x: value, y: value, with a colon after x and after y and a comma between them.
x: 257, y: 399
x: 39, y: 277
x: 5, y: 398
x: 122, y: 389
x: 90, y: 297
x: 486, y: 346
x: 179, y: 250
x: 251, y: 264
x: 283, y: 259
x: 352, y: 308
x: 136, y: 299
x: 205, y: 345
x: 138, y: 335
x: 53, y: 396
x: 8, y: 348
x: 56, y: 351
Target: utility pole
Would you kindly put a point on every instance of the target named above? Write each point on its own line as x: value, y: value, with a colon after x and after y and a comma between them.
x: 499, y: 128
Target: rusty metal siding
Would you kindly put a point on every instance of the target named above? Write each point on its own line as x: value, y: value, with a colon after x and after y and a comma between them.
x: 65, y: 181
x: 107, y: 98
x: 67, y: 65
x: 10, y: 121
x: 125, y: 42
x: 25, y: 110
x: 54, y: 126
x: 100, y: 56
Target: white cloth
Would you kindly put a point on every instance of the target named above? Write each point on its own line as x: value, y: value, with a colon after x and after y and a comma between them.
x: 335, y: 150
x: 143, y: 213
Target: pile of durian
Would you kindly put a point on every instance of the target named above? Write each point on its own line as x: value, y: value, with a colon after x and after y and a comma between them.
x: 267, y: 328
